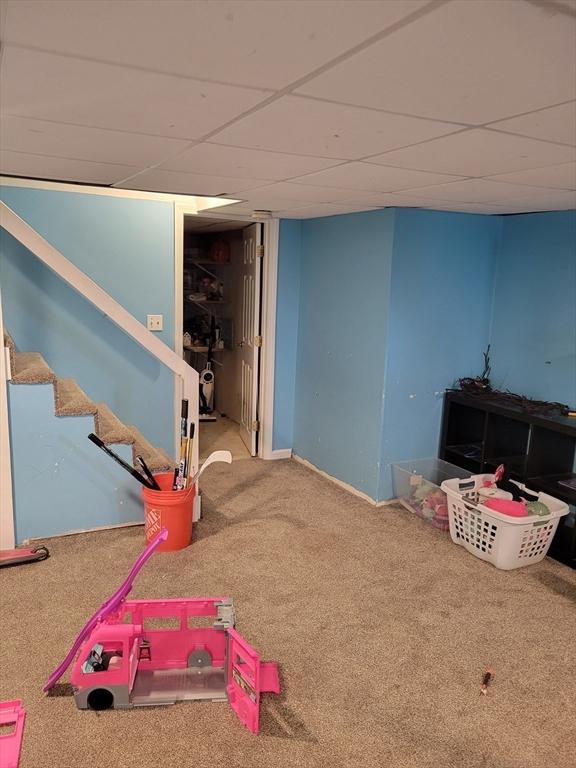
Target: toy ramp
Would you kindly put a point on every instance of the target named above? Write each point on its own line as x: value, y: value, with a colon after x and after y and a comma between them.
x: 107, y: 607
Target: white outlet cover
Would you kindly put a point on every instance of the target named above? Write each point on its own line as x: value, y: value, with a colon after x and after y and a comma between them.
x: 155, y: 322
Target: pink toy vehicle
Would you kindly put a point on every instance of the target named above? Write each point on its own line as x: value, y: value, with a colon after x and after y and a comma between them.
x: 129, y: 657
x: 12, y: 716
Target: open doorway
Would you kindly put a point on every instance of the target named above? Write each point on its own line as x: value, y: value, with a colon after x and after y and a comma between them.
x: 222, y: 335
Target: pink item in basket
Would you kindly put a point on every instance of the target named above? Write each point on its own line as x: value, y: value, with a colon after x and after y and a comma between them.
x: 506, y: 507
x: 12, y: 713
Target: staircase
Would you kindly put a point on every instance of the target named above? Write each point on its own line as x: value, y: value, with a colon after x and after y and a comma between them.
x: 70, y: 400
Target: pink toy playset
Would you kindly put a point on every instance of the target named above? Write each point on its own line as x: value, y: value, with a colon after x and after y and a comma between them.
x: 135, y: 653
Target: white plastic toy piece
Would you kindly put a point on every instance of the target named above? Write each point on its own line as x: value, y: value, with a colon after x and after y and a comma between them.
x: 224, y: 456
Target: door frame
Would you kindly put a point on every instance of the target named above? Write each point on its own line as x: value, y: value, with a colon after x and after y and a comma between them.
x: 268, y: 314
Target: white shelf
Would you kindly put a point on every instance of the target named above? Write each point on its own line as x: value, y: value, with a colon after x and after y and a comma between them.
x: 204, y: 301
x: 190, y: 348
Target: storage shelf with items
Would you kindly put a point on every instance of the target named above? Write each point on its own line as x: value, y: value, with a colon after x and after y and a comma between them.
x: 206, y: 327
x: 537, y: 448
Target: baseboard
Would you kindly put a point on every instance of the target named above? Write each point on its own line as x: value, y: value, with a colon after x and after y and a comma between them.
x: 339, y: 483
x: 386, y: 502
x: 281, y: 453
x: 82, y: 530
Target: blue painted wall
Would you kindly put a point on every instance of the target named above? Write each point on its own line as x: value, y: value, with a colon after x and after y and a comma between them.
x: 377, y: 313
x: 127, y: 247
x: 394, y: 307
x: 61, y: 481
x: 533, y: 333
x: 287, y: 310
x: 344, y: 287
x: 439, y: 320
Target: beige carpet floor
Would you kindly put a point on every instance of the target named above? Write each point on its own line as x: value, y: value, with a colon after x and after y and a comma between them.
x: 381, y: 625
x: 222, y: 434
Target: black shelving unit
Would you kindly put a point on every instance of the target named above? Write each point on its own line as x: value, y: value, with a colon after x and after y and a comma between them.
x: 538, y: 449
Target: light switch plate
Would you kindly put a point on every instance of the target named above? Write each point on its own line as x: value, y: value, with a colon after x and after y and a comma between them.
x: 155, y: 322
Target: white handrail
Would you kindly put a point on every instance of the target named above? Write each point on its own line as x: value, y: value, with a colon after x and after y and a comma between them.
x: 84, y: 285
x: 7, y: 532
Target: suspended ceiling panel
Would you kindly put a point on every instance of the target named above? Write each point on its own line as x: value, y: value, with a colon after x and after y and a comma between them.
x: 259, y: 44
x: 52, y: 87
x: 301, y: 108
x: 306, y: 126
x: 479, y: 152
x: 470, y: 62
x: 222, y: 160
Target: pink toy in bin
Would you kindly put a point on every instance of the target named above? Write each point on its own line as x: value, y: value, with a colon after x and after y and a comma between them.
x: 136, y: 653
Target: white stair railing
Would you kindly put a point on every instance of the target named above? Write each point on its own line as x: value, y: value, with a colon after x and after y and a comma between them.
x: 6, y: 508
x: 58, y: 263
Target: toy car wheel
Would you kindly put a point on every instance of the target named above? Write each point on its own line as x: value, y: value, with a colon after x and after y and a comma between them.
x: 100, y: 699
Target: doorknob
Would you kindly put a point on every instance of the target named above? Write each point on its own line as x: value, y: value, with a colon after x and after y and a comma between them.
x: 240, y: 344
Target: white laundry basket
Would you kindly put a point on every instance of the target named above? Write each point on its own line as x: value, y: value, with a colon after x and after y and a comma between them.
x: 506, y: 542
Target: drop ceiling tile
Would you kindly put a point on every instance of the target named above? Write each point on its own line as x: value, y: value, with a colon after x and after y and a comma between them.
x: 289, y: 213
x: 556, y: 176
x: 553, y: 124
x: 322, y: 209
x: 61, y: 169
x: 264, y: 44
x: 51, y: 87
x: 477, y: 191
x: 402, y: 200
x: 487, y: 208
x: 40, y: 137
x: 247, y: 206
x: 223, y: 160
x: 156, y: 180
x: 470, y: 62
x: 307, y: 193
x: 386, y: 200
x: 369, y: 177
x: 546, y: 201
x: 478, y: 152
x: 309, y: 127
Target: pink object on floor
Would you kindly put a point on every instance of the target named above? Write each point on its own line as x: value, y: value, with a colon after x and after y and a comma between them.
x: 248, y: 677
x: 22, y: 555
x: 135, y: 653
x: 11, y: 713
x: 506, y: 507
x: 107, y: 607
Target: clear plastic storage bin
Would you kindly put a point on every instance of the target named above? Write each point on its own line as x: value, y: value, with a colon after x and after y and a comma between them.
x: 417, y: 487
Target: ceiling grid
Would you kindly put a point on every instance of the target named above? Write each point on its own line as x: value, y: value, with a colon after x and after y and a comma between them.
x: 304, y: 109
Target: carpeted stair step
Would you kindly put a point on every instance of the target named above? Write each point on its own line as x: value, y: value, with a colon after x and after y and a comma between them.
x: 109, y: 428
x: 31, y: 368
x: 156, y: 459
x: 70, y: 400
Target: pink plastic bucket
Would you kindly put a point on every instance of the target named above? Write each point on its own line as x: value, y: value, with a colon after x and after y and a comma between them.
x: 168, y: 509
